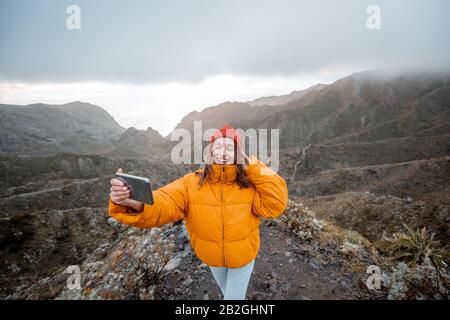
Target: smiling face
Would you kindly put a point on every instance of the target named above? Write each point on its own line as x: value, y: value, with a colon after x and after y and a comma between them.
x: 223, y: 151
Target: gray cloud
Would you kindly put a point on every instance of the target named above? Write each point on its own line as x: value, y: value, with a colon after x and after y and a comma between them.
x: 159, y: 41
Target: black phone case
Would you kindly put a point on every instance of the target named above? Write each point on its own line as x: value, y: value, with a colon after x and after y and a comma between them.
x: 140, y: 189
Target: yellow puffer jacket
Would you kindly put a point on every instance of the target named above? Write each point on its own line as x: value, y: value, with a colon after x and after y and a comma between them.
x: 222, y: 220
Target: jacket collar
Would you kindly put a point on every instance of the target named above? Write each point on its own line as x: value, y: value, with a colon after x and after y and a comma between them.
x: 227, y: 172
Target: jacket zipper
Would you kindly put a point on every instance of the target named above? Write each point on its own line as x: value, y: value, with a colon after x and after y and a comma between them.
x: 223, y: 219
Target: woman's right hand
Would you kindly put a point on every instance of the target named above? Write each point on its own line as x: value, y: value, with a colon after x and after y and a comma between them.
x: 120, y: 194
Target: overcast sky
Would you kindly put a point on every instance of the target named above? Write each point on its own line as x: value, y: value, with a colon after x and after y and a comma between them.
x: 149, y: 63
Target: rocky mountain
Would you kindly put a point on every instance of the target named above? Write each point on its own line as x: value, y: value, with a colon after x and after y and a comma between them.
x: 140, y: 144
x: 216, y: 116
x: 283, y: 99
x: 75, y: 127
x: 45, y: 129
x: 242, y: 113
x: 364, y: 117
x: 364, y: 107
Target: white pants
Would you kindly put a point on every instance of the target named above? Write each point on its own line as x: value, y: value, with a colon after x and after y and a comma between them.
x: 233, y: 281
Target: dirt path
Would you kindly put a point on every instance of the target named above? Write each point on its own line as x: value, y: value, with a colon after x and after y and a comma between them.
x: 284, y: 269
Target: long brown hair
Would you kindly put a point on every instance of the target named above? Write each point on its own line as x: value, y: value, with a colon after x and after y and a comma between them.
x: 241, y: 178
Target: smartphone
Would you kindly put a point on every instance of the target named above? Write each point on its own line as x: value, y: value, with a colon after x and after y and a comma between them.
x: 140, y: 189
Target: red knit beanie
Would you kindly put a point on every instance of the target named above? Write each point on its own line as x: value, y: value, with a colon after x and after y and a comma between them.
x: 227, y: 131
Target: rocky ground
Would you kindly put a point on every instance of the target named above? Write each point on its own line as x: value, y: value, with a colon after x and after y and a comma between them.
x: 378, y: 216
x: 318, y: 261
x: 53, y: 211
x: 377, y: 200
x: 285, y: 268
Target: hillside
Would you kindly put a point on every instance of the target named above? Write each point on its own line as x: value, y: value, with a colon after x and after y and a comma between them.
x: 368, y: 106
x: 76, y: 127
x: 284, y: 99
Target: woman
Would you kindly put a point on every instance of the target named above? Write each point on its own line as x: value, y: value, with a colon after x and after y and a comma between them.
x: 221, y: 204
